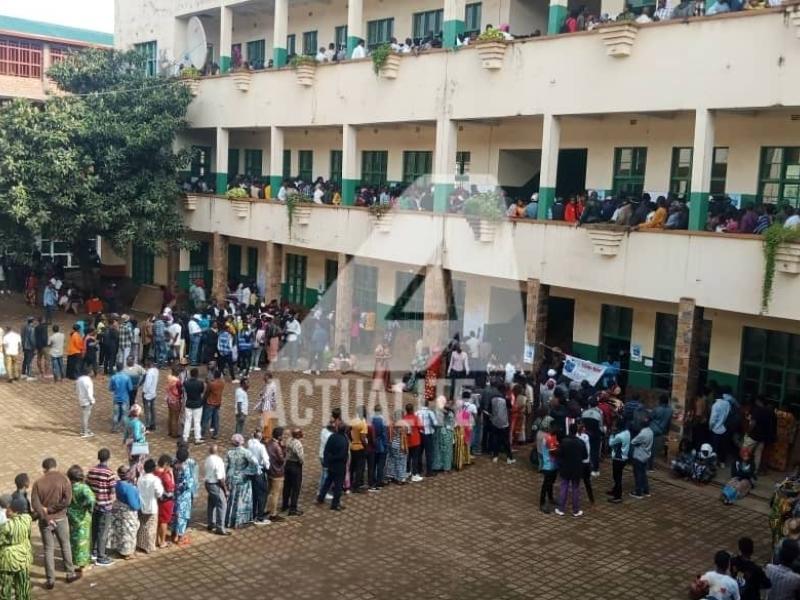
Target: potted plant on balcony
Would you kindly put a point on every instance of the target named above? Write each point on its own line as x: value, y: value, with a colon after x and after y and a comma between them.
x: 619, y: 36
x: 606, y: 237
x: 298, y: 206
x: 781, y: 253
x: 240, y: 201
x: 305, y: 67
x: 491, y: 45
x: 483, y: 212
x: 191, y: 79
x: 382, y: 213
x: 385, y: 62
x: 242, y: 76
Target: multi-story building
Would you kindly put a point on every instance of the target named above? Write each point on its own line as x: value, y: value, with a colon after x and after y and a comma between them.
x: 699, y: 105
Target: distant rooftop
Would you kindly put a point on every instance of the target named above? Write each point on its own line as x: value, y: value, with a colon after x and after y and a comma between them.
x: 51, y: 31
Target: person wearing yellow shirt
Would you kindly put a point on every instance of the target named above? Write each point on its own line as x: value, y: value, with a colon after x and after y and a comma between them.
x: 659, y: 217
x: 337, y: 198
x: 358, y: 449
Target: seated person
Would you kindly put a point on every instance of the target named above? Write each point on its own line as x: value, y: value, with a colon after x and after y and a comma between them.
x: 743, y: 475
x: 705, y: 464
x: 682, y: 464
x: 343, y: 361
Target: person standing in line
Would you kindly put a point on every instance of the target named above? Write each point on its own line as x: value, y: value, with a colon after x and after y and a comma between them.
x: 12, y: 346
x: 571, y: 454
x: 28, y: 348
x: 547, y: 449
x: 110, y: 347
x: 293, y: 332
x: 85, y: 389
x: 259, y: 477
x: 660, y: 422
x: 214, y: 476
x: 784, y: 581
x: 642, y: 446
x: 358, y: 444
x: 151, y: 490
x: 213, y: 402
x: 56, y: 344
x: 166, y: 503
x: 194, y: 390
x: 174, y: 398
x: 335, y: 461
x: 50, y: 497
x: 277, y: 466
x: 195, y: 336
x: 379, y: 443
x: 225, y: 344
x: 501, y: 437
x: 324, y: 435
x: 49, y: 302
x: 620, y: 445
x: 79, y: 516
x: 414, y: 443
x: 102, y: 480
x: 125, y: 340
x: 720, y: 436
x: 136, y: 373
x: 268, y: 404
x: 586, y: 474
x: 16, y: 553
x: 120, y: 387
x: 293, y: 473
x: 242, y: 404
x: 74, y: 352
x: 40, y: 336
x: 186, y: 482
x: 149, y: 394
x: 429, y: 423
x: 90, y: 347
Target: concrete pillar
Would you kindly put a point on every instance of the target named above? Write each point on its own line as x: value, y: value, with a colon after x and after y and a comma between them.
x: 345, y: 289
x: 184, y: 266
x: 453, y: 21
x: 556, y: 16
x: 702, y: 162
x: 219, y: 266
x: 444, y: 162
x: 351, y: 167
x: 355, y: 24
x: 685, y: 363
x: 276, y: 159
x: 279, y: 33
x: 274, y: 264
x: 435, y: 327
x: 551, y: 141
x: 225, y: 38
x: 536, y: 319
x: 221, y: 164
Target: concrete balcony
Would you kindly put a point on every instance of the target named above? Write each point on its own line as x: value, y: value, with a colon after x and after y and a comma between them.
x: 719, y: 271
x: 744, y: 60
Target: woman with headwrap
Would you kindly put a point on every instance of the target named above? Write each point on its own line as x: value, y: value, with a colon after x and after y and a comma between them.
x: 240, y: 465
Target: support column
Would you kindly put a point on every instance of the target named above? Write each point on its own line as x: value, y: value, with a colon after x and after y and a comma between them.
x: 536, y: 319
x: 444, y: 162
x: 219, y: 266
x: 435, y: 327
x: 351, y: 167
x: 345, y: 289
x: 184, y: 267
x: 274, y: 264
x: 221, y: 164
x: 685, y: 363
x: 355, y: 25
x: 702, y: 161
x: 225, y: 38
x: 551, y: 140
x: 276, y: 160
x: 279, y: 33
x: 453, y: 21
x: 556, y: 16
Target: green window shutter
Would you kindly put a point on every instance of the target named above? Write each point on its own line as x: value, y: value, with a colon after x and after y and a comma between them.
x: 306, y: 165
x: 287, y: 164
x: 233, y: 164
x: 252, y: 163
x: 310, y: 43
x: 629, y: 170
x: 336, y: 167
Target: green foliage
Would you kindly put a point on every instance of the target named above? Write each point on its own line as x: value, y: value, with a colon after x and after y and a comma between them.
x: 96, y: 161
x: 379, y: 57
x: 237, y: 193
x: 774, y: 236
x: 292, y: 201
x: 377, y: 210
x: 487, y: 206
x: 302, y: 59
x: 190, y: 72
x: 491, y: 35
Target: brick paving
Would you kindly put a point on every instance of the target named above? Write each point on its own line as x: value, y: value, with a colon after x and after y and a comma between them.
x: 474, y: 534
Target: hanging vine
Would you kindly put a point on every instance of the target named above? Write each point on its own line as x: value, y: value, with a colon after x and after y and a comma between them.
x: 774, y: 236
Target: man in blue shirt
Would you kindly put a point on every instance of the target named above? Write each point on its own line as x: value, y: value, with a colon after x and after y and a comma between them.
x: 120, y: 385
x: 620, y: 445
x: 720, y: 437
x: 660, y: 420
x: 49, y: 301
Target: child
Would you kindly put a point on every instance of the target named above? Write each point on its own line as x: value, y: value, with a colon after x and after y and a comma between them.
x: 23, y: 484
x: 742, y: 476
x: 682, y: 464
x: 705, y: 464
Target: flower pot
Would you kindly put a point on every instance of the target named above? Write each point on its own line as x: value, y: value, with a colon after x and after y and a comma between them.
x: 484, y: 231
x: 619, y: 38
x: 305, y: 74
x: 391, y: 67
x: 302, y: 215
x: 193, y: 85
x: 190, y: 202
x: 605, y: 242
x: 241, y: 79
x: 492, y: 54
x: 241, y: 207
x: 383, y: 223
x: 787, y: 258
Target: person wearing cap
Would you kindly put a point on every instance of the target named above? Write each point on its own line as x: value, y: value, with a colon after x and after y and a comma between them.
x: 16, y: 552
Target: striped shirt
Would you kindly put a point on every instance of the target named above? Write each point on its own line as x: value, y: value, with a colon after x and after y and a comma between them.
x: 785, y: 582
x: 102, y: 481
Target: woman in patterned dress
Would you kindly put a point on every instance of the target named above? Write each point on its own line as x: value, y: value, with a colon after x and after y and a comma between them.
x: 186, y: 482
x: 174, y: 393
x: 124, y: 515
x: 240, y: 465
x: 79, y: 516
x: 16, y: 553
x: 397, y: 459
x: 166, y: 503
x: 444, y: 438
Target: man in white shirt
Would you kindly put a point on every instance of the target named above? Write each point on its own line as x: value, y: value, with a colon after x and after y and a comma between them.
x: 283, y: 192
x: 85, y: 388
x: 149, y: 393
x: 12, y: 345
x: 242, y: 404
x: 320, y: 57
x: 330, y: 53
x: 56, y: 345
x: 721, y: 586
x: 318, y: 194
x: 150, y: 490
x: 175, y: 339
x: 261, y: 457
x: 793, y: 219
x: 293, y: 331
x: 359, y: 51
x: 473, y: 345
x: 214, y: 475
x: 195, y: 336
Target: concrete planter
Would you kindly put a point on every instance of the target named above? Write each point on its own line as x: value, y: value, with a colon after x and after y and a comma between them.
x: 787, y: 258
x: 241, y: 79
x: 619, y: 38
x: 484, y: 231
x: 391, y: 67
x: 241, y: 207
x: 190, y: 202
x: 302, y: 215
x: 193, y: 85
x: 605, y: 242
x: 305, y: 74
x: 794, y: 18
x: 383, y: 223
x: 492, y: 54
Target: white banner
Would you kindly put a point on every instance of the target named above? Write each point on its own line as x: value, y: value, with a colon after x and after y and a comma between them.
x: 578, y: 369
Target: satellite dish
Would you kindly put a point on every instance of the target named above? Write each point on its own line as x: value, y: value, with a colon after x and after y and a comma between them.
x: 195, y: 43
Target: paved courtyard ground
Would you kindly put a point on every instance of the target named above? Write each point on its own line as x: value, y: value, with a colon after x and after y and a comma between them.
x: 473, y: 534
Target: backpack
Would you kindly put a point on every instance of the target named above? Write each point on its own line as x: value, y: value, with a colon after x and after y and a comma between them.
x: 733, y: 422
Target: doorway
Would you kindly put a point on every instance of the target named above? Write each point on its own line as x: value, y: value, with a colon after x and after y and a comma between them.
x: 560, y: 321
x: 571, y: 175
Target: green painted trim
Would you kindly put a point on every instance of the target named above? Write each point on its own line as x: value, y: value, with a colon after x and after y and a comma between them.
x: 698, y: 211
x: 642, y: 377
x: 280, y: 56
x: 275, y: 182
x: 709, y: 3
x: 183, y: 280
x: 450, y: 32
x: 222, y: 183
x: 349, y: 187
x: 56, y: 32
x: 751, y: 198
x: 555, y: 18
x: 352, y: 42
x: 441, y: 194
x: 224, y: 64
x: 547, y: 197
x: 585, y: 351
x: 724, y: 378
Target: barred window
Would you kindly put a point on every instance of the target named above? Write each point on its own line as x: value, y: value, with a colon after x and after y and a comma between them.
x: 20, y: 59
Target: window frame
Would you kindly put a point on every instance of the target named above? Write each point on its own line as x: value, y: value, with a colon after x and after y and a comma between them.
x: 286, y: 167
x: 337, y: 158
x: 253, y: 162
x: 374, y: 163
x: 718, y: 182
x: 379, y: 32
x: 632, y: 183
x: 203, y: 167
x: 304, y: 169
x: 340, y: 37
x: 473, y: 22
x: 681, y: 184
x: 781, y: 181
x: 296, y: 276
x: 149, y: 50
x: 666, y: 332
x: 765, y: 362
x: 417, y: 164
x: 291, y: 44
x: 309, y: 36
x: 421, y: 19
x: 257, y: 53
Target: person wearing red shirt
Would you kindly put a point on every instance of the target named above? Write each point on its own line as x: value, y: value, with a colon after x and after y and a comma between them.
x: 571, y: 210
x: 414, y: 440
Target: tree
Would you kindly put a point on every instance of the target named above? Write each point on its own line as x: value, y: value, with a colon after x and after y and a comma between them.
x: 95, y: 160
